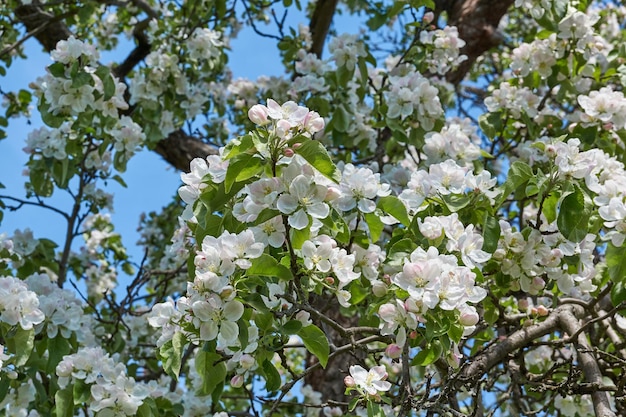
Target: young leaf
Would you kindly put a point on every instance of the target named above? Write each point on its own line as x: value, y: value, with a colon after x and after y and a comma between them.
x: 171, y: 354
x: 316, y: 154
x: 211, y: 369
x: 64, y: 403
x: 573, y: 218
x: 375, y: 224
x: 491, y: 233
x: 272, y: 377
x: 268, y: 266
x: 315, y: 342
x: 392, y: 205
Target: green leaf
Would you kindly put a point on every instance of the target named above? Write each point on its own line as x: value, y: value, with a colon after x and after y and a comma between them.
x: 21, y: 343
x: 292, y: 326
x: 392, y: 205
x: 341, y: 119
x: 298, y: 237
x: 618, y: 293
x: 491, y: 124
x: 550, y: 204
x: 265, y: 215
x: 64, y: 403
x: 211, y: 369
x: 238, y: 146
x: 519, y: 173
x: 171, y: 354
x: 108, y: 84
x: 375, y: 224
x: 573, y: 217
x: 47, y: 117
x: 616, y: 269
x: 272, y: 377
x: 81, y: 392
x: 428, y: 355
x: 315, y: 342
x: 268, y: 266
x: 241, y: 168
x: 144, y: 410
x: 57, y: 348
x: 491, y: 233
x: 81, y: 79
x: 456, y: 202
x: 316, y: 154
x: 57, y: 69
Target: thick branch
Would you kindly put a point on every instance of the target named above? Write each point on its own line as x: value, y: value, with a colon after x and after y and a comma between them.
x: 591, y: 370
x: 497, y: 352
x: 178, y: 149
x: 320, y: 23
x: 47, y: 28
x: 477, y: 21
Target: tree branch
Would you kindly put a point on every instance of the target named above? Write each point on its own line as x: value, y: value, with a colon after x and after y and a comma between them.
x: 320, y: 23
x: 477, y: 22
x: 591, y: 370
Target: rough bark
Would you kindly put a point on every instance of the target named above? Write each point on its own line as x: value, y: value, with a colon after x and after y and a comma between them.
x: 178, y: 149
x: 320, y: 23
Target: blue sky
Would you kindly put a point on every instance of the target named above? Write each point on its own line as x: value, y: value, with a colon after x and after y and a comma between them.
x: 151, y: 181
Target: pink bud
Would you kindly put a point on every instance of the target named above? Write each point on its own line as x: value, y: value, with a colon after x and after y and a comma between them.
x: 329, y: 280
x: 468, y: 318
x: 387, y: 279
x: 236, y: 381
x: 288, y: 152
x: 349, y: 381
x: 523, y: 304
x: 542, y: 311
x: 393, y: 351
x: 296, y: 145
x: 413, y: 334
x: 428, y: 17
x: 258, y: 114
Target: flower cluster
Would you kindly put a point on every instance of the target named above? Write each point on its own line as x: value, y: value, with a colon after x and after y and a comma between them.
x: 413, y: 95
x: 110, y: 389
x: 18, y: 304
x: 445, y: 44
x: 62, y: 310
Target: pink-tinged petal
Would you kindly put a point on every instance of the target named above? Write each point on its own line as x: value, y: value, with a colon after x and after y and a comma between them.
x: 381, y: 385
x: 358, y: 373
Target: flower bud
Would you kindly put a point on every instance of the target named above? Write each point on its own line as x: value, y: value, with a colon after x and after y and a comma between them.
x: 542, y: 311
x: 349, y: 381
x: 246, y: 361
x: 288, y: 152
x: 469, y: 317
x: 296, y: 145
x: 413, y: 334
x: 428, y: 17
x: 236, y: 381
x: 329, y: 280
x: 379, y: 288
x: 258, y: 114
x: 393, y: 351
x: 387, y: 279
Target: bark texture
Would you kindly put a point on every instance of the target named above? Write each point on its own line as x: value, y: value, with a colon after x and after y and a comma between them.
x: 477, y: 21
